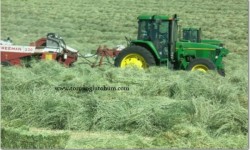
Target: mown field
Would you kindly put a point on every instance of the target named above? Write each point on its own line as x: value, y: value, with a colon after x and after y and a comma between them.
x: 162, y: 109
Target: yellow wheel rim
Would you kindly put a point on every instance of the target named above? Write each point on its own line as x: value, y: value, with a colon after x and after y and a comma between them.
x: 133, y: 60
x: 200, y: 67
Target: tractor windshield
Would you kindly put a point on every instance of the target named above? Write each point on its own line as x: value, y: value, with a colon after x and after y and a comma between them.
x: 151, y: 30
x: 155, y: 31
x: 144, y: 30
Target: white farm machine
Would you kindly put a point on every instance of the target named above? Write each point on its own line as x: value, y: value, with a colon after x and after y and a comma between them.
x: 52, y: 47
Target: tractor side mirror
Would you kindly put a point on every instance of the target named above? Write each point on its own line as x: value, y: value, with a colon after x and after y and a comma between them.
x: 175, y: 16
x: 180, y: 36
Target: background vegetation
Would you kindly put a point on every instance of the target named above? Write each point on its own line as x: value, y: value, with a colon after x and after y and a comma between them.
x: 23, y: 138
x: 162, y: 109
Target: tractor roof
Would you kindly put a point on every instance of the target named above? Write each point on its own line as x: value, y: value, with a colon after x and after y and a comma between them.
x: 150, y: 17
x: 190, y: 28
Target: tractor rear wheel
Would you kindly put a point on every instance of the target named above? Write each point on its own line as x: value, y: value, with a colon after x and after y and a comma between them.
x: 135, y: 56
x: 201, y: 64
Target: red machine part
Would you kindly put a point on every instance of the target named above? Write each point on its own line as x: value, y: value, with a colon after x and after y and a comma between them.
x: 105, y: 52
x: 11, y: 54
x: 39, y: 42
x: 68, y: 58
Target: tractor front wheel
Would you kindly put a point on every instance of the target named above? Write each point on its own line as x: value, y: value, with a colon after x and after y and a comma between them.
x: 201, y: 64
x: 135, y: 56
x: 221, y: 72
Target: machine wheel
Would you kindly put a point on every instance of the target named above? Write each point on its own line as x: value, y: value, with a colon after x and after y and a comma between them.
x: 221, y: 72
x: 26, y: 61
x: 135, y: 56
x: 201, y: 64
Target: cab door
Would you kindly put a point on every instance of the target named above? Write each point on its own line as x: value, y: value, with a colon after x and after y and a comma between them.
x: 161, y: 37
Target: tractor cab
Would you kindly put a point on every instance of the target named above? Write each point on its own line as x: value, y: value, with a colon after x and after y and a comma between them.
x: 160, y: 30
x: 156, y: 31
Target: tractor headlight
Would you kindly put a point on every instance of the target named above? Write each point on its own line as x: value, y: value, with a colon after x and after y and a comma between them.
x: 217, y: 52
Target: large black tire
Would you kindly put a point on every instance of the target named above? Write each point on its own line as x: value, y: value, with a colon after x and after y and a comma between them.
x: 201, y: 61
x: 143, y: 52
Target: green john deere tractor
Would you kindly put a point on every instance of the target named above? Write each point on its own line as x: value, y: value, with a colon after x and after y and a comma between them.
x: 194, y: 35
x: 157, y: 43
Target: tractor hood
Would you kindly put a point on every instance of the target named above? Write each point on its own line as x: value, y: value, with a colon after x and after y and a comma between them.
x: 213, y: 42
x: 196, y: 46
x: 202, y: 46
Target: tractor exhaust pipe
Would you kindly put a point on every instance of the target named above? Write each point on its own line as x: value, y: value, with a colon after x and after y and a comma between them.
x: 172, y: 41
x: 199, y: 35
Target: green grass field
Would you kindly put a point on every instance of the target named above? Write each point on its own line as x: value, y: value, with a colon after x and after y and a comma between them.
x: 162, y: 109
